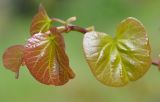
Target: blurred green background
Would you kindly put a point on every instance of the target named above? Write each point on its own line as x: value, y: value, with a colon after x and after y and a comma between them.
x: 15, y: 19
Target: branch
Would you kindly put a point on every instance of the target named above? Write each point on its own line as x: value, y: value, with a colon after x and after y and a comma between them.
x: 156, y: 62
x: 67, y: 26
x: 76, y: 28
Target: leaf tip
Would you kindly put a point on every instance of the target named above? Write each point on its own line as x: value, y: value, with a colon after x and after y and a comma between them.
x: 41, y: 7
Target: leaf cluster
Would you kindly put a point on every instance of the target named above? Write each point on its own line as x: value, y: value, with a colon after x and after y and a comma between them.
x: 113, y: 61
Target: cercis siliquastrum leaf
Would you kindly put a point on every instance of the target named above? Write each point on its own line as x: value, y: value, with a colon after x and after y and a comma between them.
x: 116, y: 61
x: 113, y: 61
x: 41, y: 22
x: 46, y: 59
x: 13, y: 58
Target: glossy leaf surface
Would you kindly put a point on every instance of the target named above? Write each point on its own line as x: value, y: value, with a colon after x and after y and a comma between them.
x: 46, y: 59
x: 116, y: 61
x: 41, y: 22
x: 13, y: 58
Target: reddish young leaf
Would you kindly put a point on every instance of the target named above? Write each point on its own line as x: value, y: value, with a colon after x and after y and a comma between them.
x: 41, y: 22
x: 46, y: 59
x: 13, y: 58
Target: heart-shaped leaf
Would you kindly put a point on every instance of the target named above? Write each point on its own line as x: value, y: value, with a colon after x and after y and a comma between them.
x: 41, y: 22
x: 116, y: 61
x: 46, y: 59
x: 13, y: 58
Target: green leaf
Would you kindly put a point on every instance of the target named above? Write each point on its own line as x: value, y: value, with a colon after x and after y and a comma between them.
x: 116, y: 61
x: 41, y: 22
x: 46, y: 59
x: 13, y: 58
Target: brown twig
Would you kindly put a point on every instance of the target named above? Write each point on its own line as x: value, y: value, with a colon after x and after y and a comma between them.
x: 76, y: 28
x: 156, y: 62
x: 67, y: 27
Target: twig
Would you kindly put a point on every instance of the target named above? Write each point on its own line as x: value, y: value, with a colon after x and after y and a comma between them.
x: 156, y: 62
x: 67, y: 26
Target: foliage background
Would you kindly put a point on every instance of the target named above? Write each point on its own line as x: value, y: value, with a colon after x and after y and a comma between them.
x: 15, y: 19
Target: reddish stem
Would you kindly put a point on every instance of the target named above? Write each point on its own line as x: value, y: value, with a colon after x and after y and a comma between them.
x: 156, y: 63
x: 69, y: 27
x: 77, y: 28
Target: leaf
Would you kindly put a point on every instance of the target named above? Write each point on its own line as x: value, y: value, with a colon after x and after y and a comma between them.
x: 46, y: 59
x: 41, y: 22
x: 13, y: 58
x: 116, y: 61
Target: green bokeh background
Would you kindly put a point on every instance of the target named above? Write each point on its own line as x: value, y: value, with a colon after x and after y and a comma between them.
x: 15, y: 19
